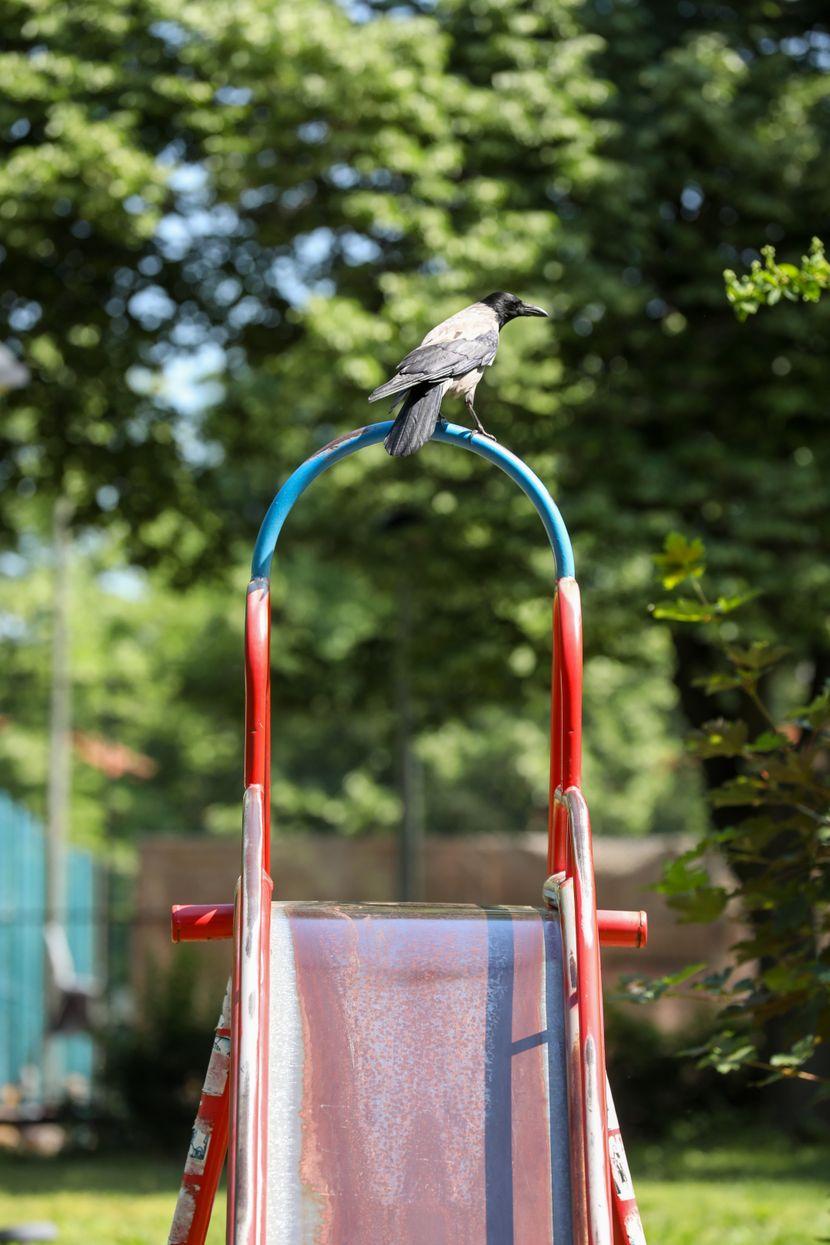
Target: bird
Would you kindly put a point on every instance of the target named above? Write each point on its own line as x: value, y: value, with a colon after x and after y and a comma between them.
x: 450, y: 360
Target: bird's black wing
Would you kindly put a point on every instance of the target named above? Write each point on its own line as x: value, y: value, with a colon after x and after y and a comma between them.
x: 440, y: 361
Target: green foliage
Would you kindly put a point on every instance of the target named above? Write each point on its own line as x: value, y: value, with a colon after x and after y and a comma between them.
x: 99, y: 113
x: 154, y: 1069
x: 775, y: 997
x: 768, y: 282
x: 284, y: 198
x: 681, y: 559
x: 658, y: 1094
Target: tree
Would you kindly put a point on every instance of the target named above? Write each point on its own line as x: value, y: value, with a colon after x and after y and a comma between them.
x: 772, y: 828
x: 768, y: 282
x: 101, y: 120
x: 605, y: 160
x: 340, y: 181
x: 769, y: 791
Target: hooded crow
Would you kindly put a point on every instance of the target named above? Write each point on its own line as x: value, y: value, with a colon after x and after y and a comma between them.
x: 450, y: 360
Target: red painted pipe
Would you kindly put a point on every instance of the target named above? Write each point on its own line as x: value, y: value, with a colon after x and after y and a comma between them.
x: 208, y: 1146
x: 622, y: 929
x: 201, y: 922
x: 566, y: 717
x: 258, y: 700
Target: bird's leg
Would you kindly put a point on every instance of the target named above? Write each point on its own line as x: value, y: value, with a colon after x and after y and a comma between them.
x: 468, y: 402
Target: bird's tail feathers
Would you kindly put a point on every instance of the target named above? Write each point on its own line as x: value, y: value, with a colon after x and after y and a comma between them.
x: 416, y: 420
x: 396, y: 385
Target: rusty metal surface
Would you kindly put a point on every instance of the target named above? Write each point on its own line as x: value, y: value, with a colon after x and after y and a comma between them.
x: 247, y: 1175
x: 591, y: 1032
x: 417, y: 1077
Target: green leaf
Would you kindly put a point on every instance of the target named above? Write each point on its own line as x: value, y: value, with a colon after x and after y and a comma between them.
x: 713, y: 983
x: 683, y: 609
x: 679, y: 877
x: 638, y: 989
x: 744, y: 789
x: 798, y: 1054
x: 728, y: 605
x: 681, y: 559
x: 702, y: 905
x: 769, y: 741
x: 757, y: 657
x: 726, y: 1052
x: 815, y: 715
x: 720, y: 738
x: 691, y: 609
x: 719, y: 682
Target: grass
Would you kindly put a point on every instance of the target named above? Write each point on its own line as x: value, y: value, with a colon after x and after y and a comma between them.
x: 122, y: 1200
x: 755, y: 1193
x: 767, y: 1193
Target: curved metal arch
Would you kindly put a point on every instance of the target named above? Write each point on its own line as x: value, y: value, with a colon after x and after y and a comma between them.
x: 351, y: 442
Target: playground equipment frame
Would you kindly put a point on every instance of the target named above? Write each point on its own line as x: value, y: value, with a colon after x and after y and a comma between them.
x: 603, y: 1211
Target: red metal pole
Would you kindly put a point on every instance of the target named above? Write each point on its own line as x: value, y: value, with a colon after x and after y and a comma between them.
x: 570, y: 623
x: 247, y: 1167
x: 258, y: 700
x: 591, y: 1026
x: 208, y: 1144
x: 622, y: 929
x: 566, y: 716
x: 555, y: 863
x: 201, y: 922
x: 197, y: 922
x: 628, y: 1228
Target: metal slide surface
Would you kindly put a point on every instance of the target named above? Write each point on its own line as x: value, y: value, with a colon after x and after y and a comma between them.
x: 417, y: 1081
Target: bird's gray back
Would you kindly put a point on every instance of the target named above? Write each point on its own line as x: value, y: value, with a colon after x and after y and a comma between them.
x: 470, y: 322
x: 451, y: 357
x: 465, y: 342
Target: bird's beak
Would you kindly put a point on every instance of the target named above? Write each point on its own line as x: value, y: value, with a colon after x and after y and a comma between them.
x: 527, y: 309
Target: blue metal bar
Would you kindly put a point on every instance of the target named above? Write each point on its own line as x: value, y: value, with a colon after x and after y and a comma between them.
x: 351, y: 442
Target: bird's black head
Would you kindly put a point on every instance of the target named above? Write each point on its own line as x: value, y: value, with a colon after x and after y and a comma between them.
x: 507, y: 307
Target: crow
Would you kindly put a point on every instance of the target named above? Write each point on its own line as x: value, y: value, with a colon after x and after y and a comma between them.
x: 450, y: 360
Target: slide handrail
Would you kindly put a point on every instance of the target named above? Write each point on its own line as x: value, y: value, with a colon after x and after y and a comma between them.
x: 573, y: 892
x: 248, y: 1150
x: 373, y: 434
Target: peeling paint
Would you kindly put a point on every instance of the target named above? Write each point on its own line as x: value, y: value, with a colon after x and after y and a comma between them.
x: 206, y: 1152
x: 182, y: 1217
x: 625, y: 1202
x: 217, y: 1073
x: 620, y: 1173
x: 634, y: 1229
x: 199, y: 1143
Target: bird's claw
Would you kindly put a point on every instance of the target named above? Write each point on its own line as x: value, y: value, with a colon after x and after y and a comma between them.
x: 482, y: 432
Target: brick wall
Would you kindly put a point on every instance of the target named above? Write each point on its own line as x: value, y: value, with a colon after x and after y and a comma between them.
x: 486, y: 869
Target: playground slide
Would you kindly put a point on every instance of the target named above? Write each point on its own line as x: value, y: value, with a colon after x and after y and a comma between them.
x: 399, y: 1074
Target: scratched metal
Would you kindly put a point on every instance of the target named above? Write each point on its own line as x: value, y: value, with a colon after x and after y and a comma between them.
x: 417, y: 1091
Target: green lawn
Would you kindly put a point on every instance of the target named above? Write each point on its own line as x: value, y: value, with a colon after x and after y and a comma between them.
x: 127, y: 1200
x: 739, y: 1195
x: 764, y: 1195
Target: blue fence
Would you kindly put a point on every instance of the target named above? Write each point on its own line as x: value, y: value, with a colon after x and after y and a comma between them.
x: 22, y: 1013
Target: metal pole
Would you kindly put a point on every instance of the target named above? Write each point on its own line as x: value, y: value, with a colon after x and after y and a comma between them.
x: 59, y: 772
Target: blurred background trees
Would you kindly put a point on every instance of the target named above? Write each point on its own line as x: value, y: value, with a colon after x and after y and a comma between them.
x: 220, y: 229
